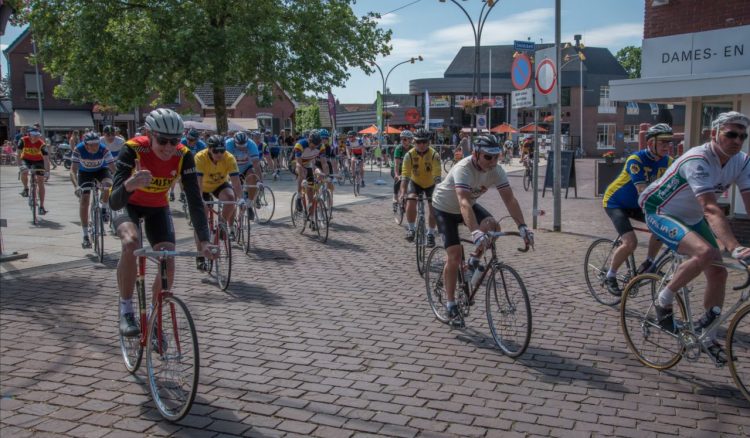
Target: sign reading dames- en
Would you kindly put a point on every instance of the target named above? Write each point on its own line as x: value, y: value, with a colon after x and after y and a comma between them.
x: 713, y: 51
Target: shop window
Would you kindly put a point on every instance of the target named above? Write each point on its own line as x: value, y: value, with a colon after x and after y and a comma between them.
x: 605, y: 136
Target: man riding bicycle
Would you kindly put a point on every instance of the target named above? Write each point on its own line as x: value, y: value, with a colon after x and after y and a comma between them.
x: 355, y: 151
x: 398, y: 158
x: 454, y: 202
x: 683, y: 212
x: 307, y: 151
x: 91, y: 163
x: 246, y: 152
x: 32, y: 155
x: 621, y: 199
x: 146, y: 168
x: 419, y: 174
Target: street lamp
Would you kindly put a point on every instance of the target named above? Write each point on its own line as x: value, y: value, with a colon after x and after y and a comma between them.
x: 483, y: 14
x: 580, y: 57
x: 384, y: 78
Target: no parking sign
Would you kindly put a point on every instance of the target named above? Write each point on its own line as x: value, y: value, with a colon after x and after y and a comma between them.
x: 481, y: 121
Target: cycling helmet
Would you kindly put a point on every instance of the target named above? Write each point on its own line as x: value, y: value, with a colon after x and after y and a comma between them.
x: 193, y: 134
x: 216, y: 142
x: 487, y: 144
x: 660, y: 131
x: 731, y: 117
x: 324, y: 133
x: 255, y: 134
x: 108, y: 130
x: 351, y: 134
x: 315, y: 137
x: 240, y: 137
x: 407, y: 134
x: 91, y: 137
x: 164, y: 121
x: 422, y: 134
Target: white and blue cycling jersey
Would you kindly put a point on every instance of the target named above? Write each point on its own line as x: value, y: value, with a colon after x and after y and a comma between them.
x: 244, y: 154
x: 88, y: 162
x: 115, y: 146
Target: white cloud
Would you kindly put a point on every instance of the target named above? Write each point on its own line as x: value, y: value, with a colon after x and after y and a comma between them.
x: 618, y: 35
x: 389, y: 20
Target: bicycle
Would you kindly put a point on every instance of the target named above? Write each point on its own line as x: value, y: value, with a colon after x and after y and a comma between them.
x: 599, y: 258
x: 33, y: 174
x: 420, y: 237
x: 642, y: 330
x: 315, y: 215
x: 399, y: 210
x: 170, y: 340
x: 358, y: 177
x: 506, y: 299
x: 96, y: 220
x: 528, y: 174
x: 346, y: 174
x: 220, y: 237
x: 263, y: 208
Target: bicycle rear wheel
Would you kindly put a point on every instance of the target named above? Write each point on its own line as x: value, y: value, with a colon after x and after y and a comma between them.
x: 738, y: 350
x: 186, y: 211
x: 265, y: 205
x: 508, y: 310
x: 435, y: 282
x: 653, y: 346
x: 419, y: 244
x: 595, y: 266
x: 224, y: 261
x: 172, y: 358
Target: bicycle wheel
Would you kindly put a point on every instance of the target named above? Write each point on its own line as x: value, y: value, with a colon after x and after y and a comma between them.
x: 32, y: 199
x: 419, y: 244
x: 172, y: 358
x: 447, y: 164
x: 239, y: 226
x: 248, y: 226
x: 296, y: 216
x: 398, y: 215
x: 595, y: 266
x: 508, y: 310
x: 321, y: 220
x: 527, y: 180
x: 435, y: 283
x: 356, y: 185
x: 98, y: 232
x: 130, y: 347
x: 265, y: 205
x: 327, y: 202
x: 738, y: 350
x: 224, y: 260
x: 186, y: 211
x: 653, y: 346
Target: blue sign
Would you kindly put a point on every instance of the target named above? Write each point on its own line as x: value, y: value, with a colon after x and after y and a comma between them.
x: 520, y: 72
x: 524, y: 46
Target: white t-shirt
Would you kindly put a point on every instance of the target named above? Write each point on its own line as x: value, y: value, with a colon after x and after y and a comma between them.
x: 114, y: 147
x: 465, y: 175
x: 695, y: 173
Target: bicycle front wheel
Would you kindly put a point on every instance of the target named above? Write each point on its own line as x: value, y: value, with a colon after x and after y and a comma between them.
x: 419, y: 244
x: 265, y: 205
x: 224, y: 260
x: 32, y: 200
x: 321, y: 220
x: 297, y: 216
x: 239, y: 227
x: 434, y: 281
x: 98, y: 233
x: 595, y: 266
x: 653, y: 346
x: 130, y: 347
x: 356, y: 185
x: 398, y: 215
x: 738, y: 349
x: 172, y: 358
x: 248, y: 227
x: 527, y: 180
x: 508, y: 310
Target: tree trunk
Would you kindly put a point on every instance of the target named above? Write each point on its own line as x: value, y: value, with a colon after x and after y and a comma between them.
x: 220, y: 107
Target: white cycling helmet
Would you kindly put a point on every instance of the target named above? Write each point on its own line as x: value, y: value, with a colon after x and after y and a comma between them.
x: 164, y: 121
x: 730, y: 118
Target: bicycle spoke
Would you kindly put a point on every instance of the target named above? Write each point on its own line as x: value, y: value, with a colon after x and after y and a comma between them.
x: 738, y: 350
x: 508, y: 310
x: 596, y: 264
x: 434, y: 283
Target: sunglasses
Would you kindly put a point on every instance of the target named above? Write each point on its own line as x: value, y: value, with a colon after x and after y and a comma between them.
x: 734, y: 135
x: 422, y: 142
x: 490, y: 157
x: 217, y: 151
x: 164, y: 140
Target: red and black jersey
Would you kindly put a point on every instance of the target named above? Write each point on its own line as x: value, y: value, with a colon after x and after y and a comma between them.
x: 164, y: 172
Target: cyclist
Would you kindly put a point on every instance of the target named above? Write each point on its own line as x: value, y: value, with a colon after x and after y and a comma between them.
x: 216, y: 168
x: 32, y: 155
x: 355, y: 151
x: 329, y: 156
x: 682, y: 211
x: 621, y: 198
x: 406, y: 137
x: 146, y: 168
x: 192, y: 140
x: 454, y: 202
x: 508, y: 150
x: 245, y: 151
x: 91, y: 162
x: 307, y: 151
x: 111, y: 140
x: 420, y: 172
x: 274, y: 152
x: 527, y: 150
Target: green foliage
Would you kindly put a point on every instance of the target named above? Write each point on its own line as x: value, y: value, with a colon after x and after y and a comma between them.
x: 308, y: 117
x: 121, y: 52
x: 630, y: 59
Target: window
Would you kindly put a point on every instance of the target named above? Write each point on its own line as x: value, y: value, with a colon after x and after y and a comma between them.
x: 605, y: 136
x: 31, y: 88
x: 631, y: 133
x: 606, y: 106
x: 604, y: 92
x: 632, y: 109
x: 565, y: 96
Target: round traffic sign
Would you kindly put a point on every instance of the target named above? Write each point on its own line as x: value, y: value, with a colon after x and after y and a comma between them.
x: 520, y: 71
x: 546, y: 76
x: 412, y: 115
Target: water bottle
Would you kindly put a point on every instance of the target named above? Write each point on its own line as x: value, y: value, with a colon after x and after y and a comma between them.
x: 476, y: 270
x: 467, y: 271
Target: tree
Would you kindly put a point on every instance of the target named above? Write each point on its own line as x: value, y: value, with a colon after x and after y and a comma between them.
x: 121, y: 52
x: 630, y: 59
x: 308, y: 117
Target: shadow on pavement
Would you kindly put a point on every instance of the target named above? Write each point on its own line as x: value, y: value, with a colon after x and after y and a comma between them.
x: 243, y: 291
x: 339, y: 245
x: 46, y: 223
x: 267, y: 254
x: 346, y: 227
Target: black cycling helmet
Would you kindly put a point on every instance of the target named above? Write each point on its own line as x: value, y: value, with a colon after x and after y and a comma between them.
x: 91, y: 137
x: 108, y: 130
x: 193, y: 134
x: 487, y: 144
x: 216, y: 143
x: 315, y: 137
x: 351, y: 134
x: 661, y: 131
x: 422, y: 134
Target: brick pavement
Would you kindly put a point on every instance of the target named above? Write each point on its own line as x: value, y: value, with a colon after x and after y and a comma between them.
x: 351, y: 352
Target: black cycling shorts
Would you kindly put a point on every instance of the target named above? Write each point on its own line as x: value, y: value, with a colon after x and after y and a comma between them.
x: 621, y: 218
x: 90, y: 178
x: 310, y: 174
x: 330, y: 166
x: 418, y: 190
x: 157, y: 220
x: 207, y: 195
x: 32, y: 165
x: 448, y: 224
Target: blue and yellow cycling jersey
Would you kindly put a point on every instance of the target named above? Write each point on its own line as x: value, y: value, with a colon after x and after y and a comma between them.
x: 641, y: 167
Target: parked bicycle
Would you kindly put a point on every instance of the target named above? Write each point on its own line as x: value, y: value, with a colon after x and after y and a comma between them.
x: 661, y: 349
x: 507, y: 303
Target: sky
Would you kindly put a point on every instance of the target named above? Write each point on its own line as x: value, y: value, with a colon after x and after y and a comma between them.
x: 437, y: 31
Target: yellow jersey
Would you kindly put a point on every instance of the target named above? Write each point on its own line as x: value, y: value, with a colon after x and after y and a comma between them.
x: 215, y: 174
x: 423, y: 169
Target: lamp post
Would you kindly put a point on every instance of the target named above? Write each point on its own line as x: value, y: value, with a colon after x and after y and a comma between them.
x: 580, y: 57
x: 483, y: 14
x: 384, y: 79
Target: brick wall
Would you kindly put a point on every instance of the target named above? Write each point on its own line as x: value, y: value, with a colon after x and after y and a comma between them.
x: 686, y: 16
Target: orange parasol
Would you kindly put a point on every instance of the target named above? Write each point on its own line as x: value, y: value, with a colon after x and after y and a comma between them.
x: 530, y: 128
x: 504, y: 128
x: 391, y: 130
x: 371, y: 130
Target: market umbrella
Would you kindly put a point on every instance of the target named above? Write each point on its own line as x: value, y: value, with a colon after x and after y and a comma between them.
x: 504, y: 128
x: 531, y: 128
x: 391, y: 130
x: 371, y: 130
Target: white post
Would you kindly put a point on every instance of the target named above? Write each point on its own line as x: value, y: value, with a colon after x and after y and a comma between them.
x: 489, y: 93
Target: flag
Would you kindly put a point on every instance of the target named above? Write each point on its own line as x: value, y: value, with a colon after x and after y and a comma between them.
x: 332, y: 109
x: 379, y: 115
x: 426, y: 109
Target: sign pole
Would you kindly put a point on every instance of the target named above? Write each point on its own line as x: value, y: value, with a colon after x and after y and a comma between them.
x: 535, y: 172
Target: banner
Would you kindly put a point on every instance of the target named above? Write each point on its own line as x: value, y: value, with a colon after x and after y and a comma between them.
x: 440, y: 102
x: 427, y: 105
x: 332, y: 109
x: 379, y: 107
x: 498, y: 102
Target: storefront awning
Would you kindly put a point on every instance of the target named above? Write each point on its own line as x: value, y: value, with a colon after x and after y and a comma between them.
x: 54, y: 119
x: 247, y: 124
x: 675, y: 89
